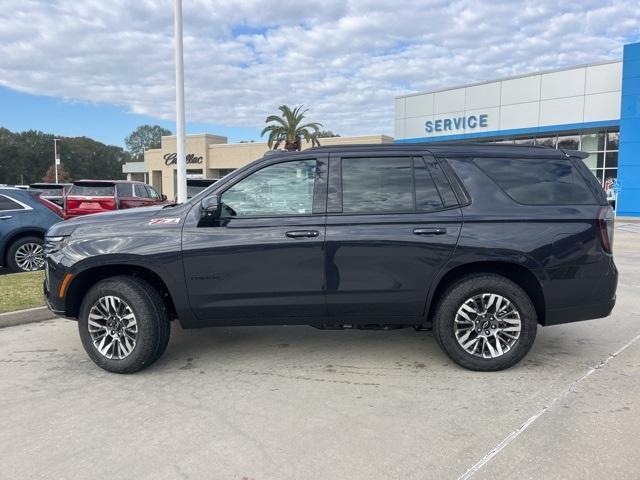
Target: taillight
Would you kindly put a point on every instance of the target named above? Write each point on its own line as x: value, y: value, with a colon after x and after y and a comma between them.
x: 50, y: 205
x: 606, y: 220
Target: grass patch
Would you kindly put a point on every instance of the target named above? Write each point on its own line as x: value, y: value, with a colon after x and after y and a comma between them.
x: 21, y: 290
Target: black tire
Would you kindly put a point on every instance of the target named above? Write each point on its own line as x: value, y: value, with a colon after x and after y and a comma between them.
x: 152, y: 319
x: 12, y: 264
x: 467, y: 287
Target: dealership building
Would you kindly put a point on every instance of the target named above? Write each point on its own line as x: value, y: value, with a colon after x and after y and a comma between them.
x: 210, y: 156
x: 594, y: 108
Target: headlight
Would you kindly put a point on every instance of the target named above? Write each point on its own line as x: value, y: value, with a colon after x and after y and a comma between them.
x: 54, y: 244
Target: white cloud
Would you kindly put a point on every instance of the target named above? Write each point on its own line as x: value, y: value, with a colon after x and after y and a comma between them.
x: 345, y: 59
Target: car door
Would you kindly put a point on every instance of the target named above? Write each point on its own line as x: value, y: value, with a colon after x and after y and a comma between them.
x: 263, y: 261
x: 14, y: 214
x: 392, y: 223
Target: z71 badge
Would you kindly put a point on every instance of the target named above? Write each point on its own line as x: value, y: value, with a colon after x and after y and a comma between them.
x: 164, y: 221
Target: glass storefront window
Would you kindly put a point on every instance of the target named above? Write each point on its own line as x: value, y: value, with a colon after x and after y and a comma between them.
x: 613, y: 140
x: 549, y: 142
x: 592, y: 142
x: 524, y: 141
x: 591, y: 161
x: 611, y: 160
x: 570, y: 142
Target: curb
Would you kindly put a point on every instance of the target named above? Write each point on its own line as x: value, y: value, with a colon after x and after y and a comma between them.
x: 29, y: 315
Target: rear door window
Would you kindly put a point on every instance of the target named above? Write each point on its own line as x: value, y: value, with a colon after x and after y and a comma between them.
x: 427, y: 196
x: 125, y: 190
x: 375, y: 185
x: 92, y: 190
x: 538, y: 181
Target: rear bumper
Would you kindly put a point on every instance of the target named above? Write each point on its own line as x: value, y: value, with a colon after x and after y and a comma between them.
x: 579, y: 313
x: 596, y: 301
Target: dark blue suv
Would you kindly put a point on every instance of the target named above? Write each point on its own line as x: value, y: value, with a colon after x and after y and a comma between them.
x: 481, y: 243
x: 24, y: 219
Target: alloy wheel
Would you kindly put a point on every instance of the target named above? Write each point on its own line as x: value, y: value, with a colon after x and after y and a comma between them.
x: 113, y: 327
x: 29, y: 257
x: 487, y: 325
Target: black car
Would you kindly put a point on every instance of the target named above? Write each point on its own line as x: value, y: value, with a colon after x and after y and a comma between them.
x: 480, y: 243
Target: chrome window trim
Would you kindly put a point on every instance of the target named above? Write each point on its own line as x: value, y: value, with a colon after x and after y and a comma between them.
x: 22, y: 204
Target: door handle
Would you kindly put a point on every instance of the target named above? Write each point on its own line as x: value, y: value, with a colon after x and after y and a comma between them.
x: 429, y: 231
x: 302, y: 233
x: 6, y: 217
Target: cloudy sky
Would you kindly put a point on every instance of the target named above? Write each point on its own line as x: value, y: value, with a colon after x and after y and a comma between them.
x: 100, y: 68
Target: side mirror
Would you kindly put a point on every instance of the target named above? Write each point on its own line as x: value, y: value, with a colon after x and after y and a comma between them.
x: 164, y: 197
x: 210, y: 207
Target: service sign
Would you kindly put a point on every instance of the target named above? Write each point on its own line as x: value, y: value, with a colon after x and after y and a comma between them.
x: 462, y: 123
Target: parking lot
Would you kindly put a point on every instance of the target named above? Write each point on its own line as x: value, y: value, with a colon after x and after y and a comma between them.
x: 300, y: 403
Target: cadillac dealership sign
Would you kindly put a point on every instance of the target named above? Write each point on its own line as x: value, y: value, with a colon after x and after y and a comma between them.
x: 172, y: 158
x: 468, y: 122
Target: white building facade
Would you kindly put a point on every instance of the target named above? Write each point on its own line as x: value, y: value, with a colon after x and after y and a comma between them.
x: 587, y: 107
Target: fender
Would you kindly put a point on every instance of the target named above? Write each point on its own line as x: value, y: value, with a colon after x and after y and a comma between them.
x: 169, y: 270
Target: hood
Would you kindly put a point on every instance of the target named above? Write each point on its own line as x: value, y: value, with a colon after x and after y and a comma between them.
x: 117, y: 217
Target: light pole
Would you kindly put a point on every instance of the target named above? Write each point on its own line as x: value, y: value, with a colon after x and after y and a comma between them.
x: 56, y: 158
x: 181, y: 164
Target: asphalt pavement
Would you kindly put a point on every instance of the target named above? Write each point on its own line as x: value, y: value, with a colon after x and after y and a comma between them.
x: 299, y: 403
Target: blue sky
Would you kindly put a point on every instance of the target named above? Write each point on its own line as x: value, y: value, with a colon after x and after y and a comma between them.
x: 106, y: 123
x: 101, y: 68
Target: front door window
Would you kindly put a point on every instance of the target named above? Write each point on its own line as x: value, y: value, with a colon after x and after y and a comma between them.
x: 280, y: 189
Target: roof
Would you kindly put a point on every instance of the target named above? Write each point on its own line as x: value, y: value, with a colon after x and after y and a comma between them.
x: 105, y: 182
x: 449, y: 148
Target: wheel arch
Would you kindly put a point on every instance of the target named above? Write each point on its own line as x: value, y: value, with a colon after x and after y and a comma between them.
x: 17, y: 235
x: 520, y: 275
x: 83, y: 281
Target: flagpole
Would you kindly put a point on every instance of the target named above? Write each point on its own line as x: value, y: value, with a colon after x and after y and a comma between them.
x: 181, y: 164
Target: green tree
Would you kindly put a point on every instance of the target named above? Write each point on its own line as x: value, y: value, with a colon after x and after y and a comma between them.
x: 327, y: 134
x: 289, y: 129
x: 143, y: 138
x: 27, y: 157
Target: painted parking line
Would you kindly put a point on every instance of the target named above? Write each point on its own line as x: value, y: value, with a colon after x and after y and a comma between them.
x: 531, y: 420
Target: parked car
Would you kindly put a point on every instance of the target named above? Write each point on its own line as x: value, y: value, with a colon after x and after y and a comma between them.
x: 54, y: 192
x: 196, y: 185
x: 481, y: 243
x: 95, y: 196
x: 24, y: 219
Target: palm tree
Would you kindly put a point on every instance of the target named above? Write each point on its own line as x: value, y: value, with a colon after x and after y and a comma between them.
x: 288, y: 128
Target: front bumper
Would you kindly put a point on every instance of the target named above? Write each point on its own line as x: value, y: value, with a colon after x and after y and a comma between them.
x: 51, y: 287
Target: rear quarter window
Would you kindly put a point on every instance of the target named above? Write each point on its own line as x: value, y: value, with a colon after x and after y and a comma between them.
x: 92, y: 190
x: 7, y: 203
x: 538, y: 181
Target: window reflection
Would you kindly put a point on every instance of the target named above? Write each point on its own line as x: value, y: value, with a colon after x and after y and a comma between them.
x: 371, y: 185
x: 280, y: 189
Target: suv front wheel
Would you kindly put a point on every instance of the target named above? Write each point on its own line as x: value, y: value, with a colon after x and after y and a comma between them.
x: 124, y: 325
x: 485, y: 322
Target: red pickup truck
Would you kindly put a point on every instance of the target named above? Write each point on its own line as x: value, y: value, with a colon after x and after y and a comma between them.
x: 95, y: 196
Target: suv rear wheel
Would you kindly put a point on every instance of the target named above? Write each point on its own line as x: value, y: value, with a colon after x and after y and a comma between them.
x: 485, y: 322
x: 124, y: 324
